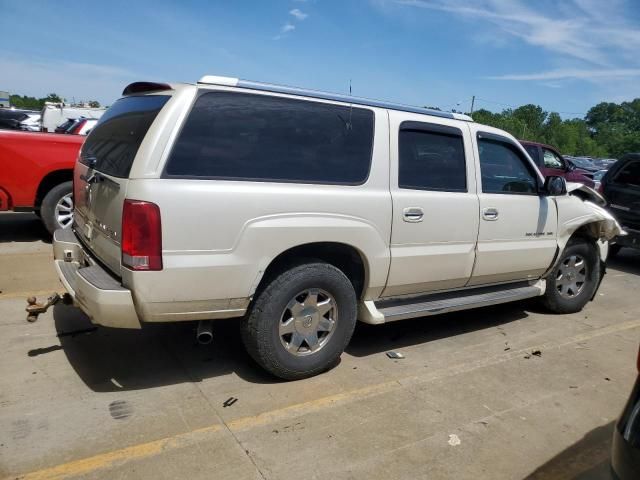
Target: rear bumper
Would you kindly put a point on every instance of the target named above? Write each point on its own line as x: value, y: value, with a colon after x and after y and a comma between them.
x: 98, y: 294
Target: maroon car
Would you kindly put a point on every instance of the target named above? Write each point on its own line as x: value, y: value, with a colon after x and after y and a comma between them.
x: 550, y: 162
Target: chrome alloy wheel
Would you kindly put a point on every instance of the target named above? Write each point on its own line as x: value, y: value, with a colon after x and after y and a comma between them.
x: 572, y: 276
x: 308, y: 322
x: 64, y: 211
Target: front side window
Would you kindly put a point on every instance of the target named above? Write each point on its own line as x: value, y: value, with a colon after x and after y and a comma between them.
x: 238, y: 136
x: 504, y: 169
x: 431, y: 160
x: 552, y: 160
x: 629, y: 175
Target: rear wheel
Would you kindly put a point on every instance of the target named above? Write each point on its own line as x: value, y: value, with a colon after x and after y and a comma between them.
x: 56, y: 210
x: 301, y: 322
x: 574, y: 280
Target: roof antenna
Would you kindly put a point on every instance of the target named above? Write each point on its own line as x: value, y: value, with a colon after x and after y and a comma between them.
x: 350, y: 125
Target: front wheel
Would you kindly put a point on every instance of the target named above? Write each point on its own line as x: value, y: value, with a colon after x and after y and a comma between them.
x: 301, y: 322
x: 575, y: 278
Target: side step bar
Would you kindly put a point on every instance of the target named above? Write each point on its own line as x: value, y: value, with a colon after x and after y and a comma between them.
x: 384, y: 311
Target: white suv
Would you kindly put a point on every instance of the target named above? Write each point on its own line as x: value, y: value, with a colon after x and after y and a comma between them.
x: 302, y: 211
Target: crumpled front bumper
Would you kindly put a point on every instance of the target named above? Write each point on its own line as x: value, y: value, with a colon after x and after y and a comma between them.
x: 94, y: 290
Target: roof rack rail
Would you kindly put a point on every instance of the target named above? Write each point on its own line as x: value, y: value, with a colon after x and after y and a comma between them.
x: 269, y: 87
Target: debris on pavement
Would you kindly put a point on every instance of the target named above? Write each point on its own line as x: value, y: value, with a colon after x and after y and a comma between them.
x: 395, y: 355
x: 454, y: 440
x: 537, y: 353
x: 229, y: 401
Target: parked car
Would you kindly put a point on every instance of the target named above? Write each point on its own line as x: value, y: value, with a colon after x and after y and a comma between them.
x: 82, y: 126
x: 302, y: 211
x: 31, y: 123
x: 77, y: 126
x: 55, y: 114
x: 10, y: 118
x: 36, y: 170
x: 625, y: 449
x: 550, y: 162
x: 597, y: 179
x: 621, y: 188
x: 583, y: 163
x: 66, y: 125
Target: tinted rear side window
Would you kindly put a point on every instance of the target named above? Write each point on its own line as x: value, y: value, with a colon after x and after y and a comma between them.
x: 115, y: 139
x: 431, y: 161
x: 239, y: 136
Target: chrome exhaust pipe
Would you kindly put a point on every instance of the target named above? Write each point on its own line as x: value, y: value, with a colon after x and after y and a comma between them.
x: 204, y: 335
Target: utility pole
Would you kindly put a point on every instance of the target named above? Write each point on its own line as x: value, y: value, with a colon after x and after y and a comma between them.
x: 473, y: 100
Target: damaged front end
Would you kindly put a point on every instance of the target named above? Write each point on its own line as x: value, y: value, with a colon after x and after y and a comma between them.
x: 583, y: 210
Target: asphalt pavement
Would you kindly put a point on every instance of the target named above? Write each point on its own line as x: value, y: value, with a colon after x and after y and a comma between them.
x: 506, y: 392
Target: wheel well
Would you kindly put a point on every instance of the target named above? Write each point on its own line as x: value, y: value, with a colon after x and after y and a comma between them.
x: 344, y: 257
x: 587, y: 232
x: 49, y: 181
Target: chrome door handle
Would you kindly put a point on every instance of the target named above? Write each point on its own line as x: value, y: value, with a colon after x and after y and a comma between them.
x: 413, y: 214
x: 490, y: 214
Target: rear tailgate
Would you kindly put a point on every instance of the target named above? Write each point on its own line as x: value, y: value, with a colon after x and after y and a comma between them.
x: 102, y: 173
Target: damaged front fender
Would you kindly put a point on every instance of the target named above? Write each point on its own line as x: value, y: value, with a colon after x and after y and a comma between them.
x: 582, y: 211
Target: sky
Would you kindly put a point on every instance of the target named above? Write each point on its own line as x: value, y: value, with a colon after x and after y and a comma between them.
x: 564, y: 55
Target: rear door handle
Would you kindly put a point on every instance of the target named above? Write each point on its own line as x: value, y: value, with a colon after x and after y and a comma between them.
x: 413, y: 214
x: 490, y: 214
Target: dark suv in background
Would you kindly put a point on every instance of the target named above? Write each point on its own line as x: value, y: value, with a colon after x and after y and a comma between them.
x: 551, y: 163
x: 621, y: 188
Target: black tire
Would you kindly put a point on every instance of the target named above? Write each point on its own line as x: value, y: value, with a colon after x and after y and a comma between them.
x: 614, y: 250
x: 559, y: 303
x: 260, y: 327
x: 49, y: 202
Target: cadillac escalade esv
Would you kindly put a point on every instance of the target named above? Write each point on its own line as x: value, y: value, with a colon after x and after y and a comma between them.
x: 302, y: 212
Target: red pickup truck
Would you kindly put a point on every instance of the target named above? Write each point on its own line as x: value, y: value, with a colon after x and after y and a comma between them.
x: 36, y: 170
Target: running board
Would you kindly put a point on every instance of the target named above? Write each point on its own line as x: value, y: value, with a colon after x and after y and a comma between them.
x: 384, y: 311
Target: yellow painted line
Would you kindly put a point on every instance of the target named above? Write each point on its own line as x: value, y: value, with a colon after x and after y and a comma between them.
x: 118, y: 457
x: 136, y: 452
x: 304, y: 408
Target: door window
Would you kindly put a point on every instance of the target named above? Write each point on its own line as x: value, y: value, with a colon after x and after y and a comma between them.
x: 431, y: 160
x: 504, y: 169
x: 551, y: 160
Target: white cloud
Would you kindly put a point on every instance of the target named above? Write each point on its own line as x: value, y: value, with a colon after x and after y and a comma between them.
x: 570, y: 74
x: 287, y: 27
x: 84, y: 81
x: 298, y: 14
x: 588, y: 31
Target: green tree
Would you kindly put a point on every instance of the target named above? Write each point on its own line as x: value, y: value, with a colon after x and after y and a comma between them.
x: 94, y: 104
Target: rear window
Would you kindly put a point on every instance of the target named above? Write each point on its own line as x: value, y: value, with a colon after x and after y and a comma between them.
x: 629, y: 175
x: 237, y: 136
x: 115, y: 140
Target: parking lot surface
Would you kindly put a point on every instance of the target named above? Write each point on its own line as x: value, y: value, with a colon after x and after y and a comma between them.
x: 508, y: 392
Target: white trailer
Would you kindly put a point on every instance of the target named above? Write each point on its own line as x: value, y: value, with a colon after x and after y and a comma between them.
x: 55, y: 114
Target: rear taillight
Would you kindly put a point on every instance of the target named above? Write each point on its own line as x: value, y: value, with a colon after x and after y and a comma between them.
x: 141, y: 236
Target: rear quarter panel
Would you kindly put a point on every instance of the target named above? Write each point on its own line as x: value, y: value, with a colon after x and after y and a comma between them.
x: 27, y: 157
x: 219, y: 236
